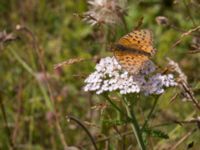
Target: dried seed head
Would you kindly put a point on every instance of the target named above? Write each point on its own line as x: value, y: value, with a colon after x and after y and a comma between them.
x: 162, y: 20
x: 105, y: 11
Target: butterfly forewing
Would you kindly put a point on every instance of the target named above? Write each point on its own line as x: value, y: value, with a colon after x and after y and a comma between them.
x: 140, y: 39
x: 136, y: 47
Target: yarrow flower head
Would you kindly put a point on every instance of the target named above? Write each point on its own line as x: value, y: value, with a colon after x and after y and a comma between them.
x: 109, y: 76
x: 105, y: 11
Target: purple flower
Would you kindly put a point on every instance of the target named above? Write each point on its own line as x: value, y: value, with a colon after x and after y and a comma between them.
x: 109, y: 76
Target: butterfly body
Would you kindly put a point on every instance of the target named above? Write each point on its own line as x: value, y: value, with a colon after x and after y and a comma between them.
x: 122, y: 48
x: 133, y: 50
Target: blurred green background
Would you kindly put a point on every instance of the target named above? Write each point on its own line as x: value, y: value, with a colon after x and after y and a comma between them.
x: 55, y: 33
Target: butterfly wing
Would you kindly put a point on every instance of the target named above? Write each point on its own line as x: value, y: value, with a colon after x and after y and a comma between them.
x: 132, y: 63
x: 138, y: 40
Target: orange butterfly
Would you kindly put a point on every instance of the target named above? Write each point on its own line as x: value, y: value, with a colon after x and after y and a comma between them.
x: 134, y: 49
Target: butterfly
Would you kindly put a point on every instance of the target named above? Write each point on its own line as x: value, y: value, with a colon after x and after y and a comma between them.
x: 134, y: 49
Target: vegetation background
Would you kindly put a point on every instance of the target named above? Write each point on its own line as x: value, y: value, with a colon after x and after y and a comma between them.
x: 35, y: 97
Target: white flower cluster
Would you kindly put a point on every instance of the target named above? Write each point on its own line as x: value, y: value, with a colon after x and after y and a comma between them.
x: 105, y: 11
x: 109, y: 76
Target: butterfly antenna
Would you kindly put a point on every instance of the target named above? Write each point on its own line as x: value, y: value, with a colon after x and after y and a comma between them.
x: 139, y: 23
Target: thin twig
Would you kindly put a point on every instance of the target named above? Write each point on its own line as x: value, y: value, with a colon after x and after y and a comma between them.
x: 185, y: 34
x: 4, y: 36
x: 117, y: 131
x: 40, y: 55
x: 110, y: 137
x: 6, y: 123
x: 193, y: 51
x: 150, y: 113
x: 172, y: 134
x: 180, y: 122
x: 68, y: 62
x: 139, y: 23
x: 189, y: 13
x: 176, y: 28
x: 75, y: 60
x: 173, y: 98
x: 197, y: 121
x: 174, y: 147
x: 124, y: 23
x: 19, y: 114
x: 69, y: 117
x: 134, y: 124
x: 182, y: 81
x: 188, y: 90
x: 114, y: 105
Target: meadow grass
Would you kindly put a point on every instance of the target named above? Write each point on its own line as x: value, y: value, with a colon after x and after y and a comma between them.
x: 45, y: 107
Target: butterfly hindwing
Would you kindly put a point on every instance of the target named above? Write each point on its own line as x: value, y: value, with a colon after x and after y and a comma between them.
x: 132, y: 63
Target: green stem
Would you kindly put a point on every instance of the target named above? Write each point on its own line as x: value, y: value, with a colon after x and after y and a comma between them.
x: 124, y: 23
x: 136, y: 129
x: 7, y: 129
x: 30, y: 70
x: 150, y: 113
x: 113, y: 104
x: 131, y: 116
x: 105, y: 39
x: 135, y: 126
x: 24, y: 64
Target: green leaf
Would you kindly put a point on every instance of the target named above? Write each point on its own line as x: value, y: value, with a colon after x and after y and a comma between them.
x: 115, y: 122
x: 155, y: 133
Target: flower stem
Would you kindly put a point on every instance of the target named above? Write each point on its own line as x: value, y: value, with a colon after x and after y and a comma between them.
x: 113, y: 104
x: 131, y: 116
x: 135, y: 126
x: 5, y: 118
x: 150, y: 113
x: 84, y: 128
